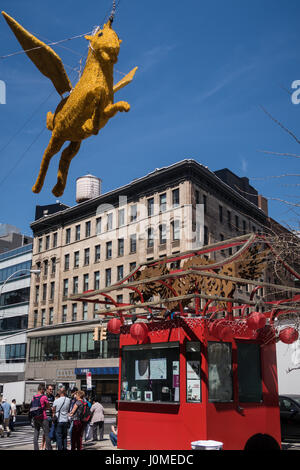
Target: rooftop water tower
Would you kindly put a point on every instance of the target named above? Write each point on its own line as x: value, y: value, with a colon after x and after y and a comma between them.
x: 87, y: 187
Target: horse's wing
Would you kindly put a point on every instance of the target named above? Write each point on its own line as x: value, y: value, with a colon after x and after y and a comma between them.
x: 44, y: 58
x: 125, y: 80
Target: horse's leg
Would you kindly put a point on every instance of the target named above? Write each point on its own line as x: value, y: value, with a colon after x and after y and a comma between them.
x: 112, y: 109
x: 64, y: 164
x: 54, y: 146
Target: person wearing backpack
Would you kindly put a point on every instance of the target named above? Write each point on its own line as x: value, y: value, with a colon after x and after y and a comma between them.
x: 1, y: 420
x: 39, y: 404
x: 81, y: 415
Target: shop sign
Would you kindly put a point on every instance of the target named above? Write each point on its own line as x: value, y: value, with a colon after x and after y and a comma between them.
x: 89, y: 381
x: 65, y: 374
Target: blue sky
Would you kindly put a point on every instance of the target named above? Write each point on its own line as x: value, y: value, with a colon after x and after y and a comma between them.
x: 205, y: 70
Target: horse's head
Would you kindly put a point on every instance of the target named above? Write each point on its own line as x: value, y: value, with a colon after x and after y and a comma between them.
x: 105, y: 43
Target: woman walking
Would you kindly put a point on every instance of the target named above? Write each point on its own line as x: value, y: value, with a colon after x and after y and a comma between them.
x: 97, y: 420
x: 78, y: 425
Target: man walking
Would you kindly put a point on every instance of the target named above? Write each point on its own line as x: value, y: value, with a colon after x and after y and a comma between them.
x: 6, y: 416
x: 51, y: 398
x: 60, y: 410
x: 13, y: 414
x: 40, y: 403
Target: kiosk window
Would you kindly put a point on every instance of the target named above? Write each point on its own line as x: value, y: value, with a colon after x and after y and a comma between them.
x: 220, y: 372
x: 150, y: 372
x: 249, y: 372
x: 193, y: 372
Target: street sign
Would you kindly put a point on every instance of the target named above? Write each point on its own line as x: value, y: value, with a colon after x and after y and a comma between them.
x: 89, y: 381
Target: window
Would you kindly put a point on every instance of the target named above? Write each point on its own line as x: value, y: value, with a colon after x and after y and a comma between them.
x: 64, y: 314
x: 175, y: 225
x: 35, y: 318
x: 53, y: 265
x: 193, y: 371
x: 205, y: 203
x: 98, y: 226
x: 65, y: 287
x: 150, y: 203
x: 249, y: 373
x: 96, y: 280
x: 44, y: 297
x: 52, y: 289
x: 54, y: 240
x: 84, y: 310
x: 97, y: 253
x: 121, y: 217
x: 149, y: 373
x: 197, y: 196
x: 68, y: 236
x: 237, y: 223
x: 40, y: 245
x: 74, y: 312
x: 43, y: 317
x: 109, y: 223
x: 87, y: 229
x: 37, y: 294
x: 133, y: 213
x: 107, y: 277
x: 150, y: 237
x: 86, y: 256
x: 47, y: 242
x: 76, y: 259
x: 220, y: 388
x: 132, y: 266
x: 108, y: 250
x: 85, y: 282
x: 133, y: 243
x: 119, y: 299
x: 220, y: 214
x: 163, y: 202
x: 77, y: 232
x: 67, y: 262
x: 162, y: 234
x: 75, y: 285
x: 120, y: 272
x: 121, y: 247
x: 51, y: 316
x: 205, y: 235
x: 175, y: 197
x: 46, y: 265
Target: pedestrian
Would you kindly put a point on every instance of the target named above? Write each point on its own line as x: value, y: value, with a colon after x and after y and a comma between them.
x: 60, y: 410
x: 6, y: 416
x: 78, y: 425
x: 51, y: 398
x: 97, y: 420
x: 13, y: 414
x: 1, y: 419
x: 40, y: 404
x: 73, y: 401
x: 114, y: 430
x: 88, y: 428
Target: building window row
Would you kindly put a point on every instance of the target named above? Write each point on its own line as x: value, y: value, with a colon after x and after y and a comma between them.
x: 72, y: 346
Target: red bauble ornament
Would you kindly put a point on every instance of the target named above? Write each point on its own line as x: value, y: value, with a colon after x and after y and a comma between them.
x: 139, y: 331
x: 114, y: 325
x: 288, y: 335
x: 256, y: 321
x: 225, y: 333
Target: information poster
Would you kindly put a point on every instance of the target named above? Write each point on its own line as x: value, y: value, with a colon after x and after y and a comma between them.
x: 142, y: 371
x: 193, y: 370
x: 158, y: 369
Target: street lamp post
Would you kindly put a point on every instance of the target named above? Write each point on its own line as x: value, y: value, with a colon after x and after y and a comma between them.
x: 32, y: 271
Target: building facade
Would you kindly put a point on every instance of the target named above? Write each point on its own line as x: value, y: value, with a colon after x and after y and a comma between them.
x: 98, y: 242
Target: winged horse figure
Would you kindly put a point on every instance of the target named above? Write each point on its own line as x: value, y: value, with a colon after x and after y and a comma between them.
x: 90, y: 103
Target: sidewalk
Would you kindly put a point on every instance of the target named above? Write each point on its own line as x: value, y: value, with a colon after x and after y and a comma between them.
x: 89, y: 445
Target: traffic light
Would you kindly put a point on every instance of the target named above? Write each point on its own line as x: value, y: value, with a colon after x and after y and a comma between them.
x: 96, y: 334
x: 103, y: 332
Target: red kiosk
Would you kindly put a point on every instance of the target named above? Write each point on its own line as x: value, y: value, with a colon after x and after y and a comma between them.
x: 189, y: 374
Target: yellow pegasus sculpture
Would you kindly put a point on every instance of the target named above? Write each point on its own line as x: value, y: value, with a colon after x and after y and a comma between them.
x: 89, y: 105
